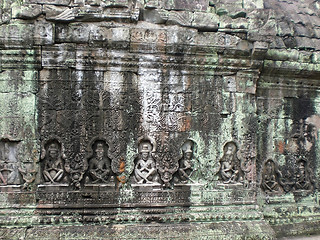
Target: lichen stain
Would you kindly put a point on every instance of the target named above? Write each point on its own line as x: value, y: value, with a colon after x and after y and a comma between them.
x: 186, y: 125
x: 292, y: 146
x: 122, y: 179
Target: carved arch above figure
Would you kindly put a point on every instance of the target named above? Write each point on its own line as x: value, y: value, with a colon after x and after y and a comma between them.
x: 51, y: 138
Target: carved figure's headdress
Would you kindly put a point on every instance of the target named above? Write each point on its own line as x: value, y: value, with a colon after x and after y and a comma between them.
x: 145, y: 147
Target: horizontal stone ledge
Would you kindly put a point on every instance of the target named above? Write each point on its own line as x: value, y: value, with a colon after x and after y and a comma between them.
x: 132, y: 67
x: 50, y: 2
x: 293, y: 55
x: 296, y: 67
x: 98, y: 206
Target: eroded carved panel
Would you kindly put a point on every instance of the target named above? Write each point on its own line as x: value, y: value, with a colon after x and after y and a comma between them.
x: 9, y: 173
x: 28, y: 173
x: 271, y: 182
x: 304, y: 177
x: 230, y: 165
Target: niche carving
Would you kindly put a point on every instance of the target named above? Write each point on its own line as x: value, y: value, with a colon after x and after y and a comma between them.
x: 271, y: 178
x: 54, y: 169
x: 188, y: 164
x: 9, y: 173
x: 99, y: 169
x: 304, y: 176
x: 230, y: 171
x: 28, y: 173
x: 145, y: 171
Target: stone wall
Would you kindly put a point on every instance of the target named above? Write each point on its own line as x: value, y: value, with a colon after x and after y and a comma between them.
x: 130, y: 119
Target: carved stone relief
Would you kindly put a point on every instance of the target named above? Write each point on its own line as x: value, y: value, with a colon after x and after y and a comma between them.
x: 76, y: 169
x: 28, y: 172
x: 145, y: 171
x: 54, y: 169
x: 99, y: 164
x: 271, y: 178
x: 299, y: 150
x: 9, y: 173
x: 304, y: 176
x: 116, y: 153
x: 167, y: 165
x: 188, y: 164
x: 167, y: 162
x: 230, y: 165
x: 302, y: 137
x: 110, y: 71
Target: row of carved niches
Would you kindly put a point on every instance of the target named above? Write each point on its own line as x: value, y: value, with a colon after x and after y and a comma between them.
x: 150, y: 166
x: 98, y: 166
x: 273, y: 182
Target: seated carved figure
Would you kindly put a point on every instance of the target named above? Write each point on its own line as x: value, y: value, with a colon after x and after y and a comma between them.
x: 186, y: 167
x: 8, y: 174
x: 145, y: 167
x: 4, y: 173
x: 53, y: 168
x: 230, y: 170
x: 271, y: 178
x: 99, y: 165
x: 3, y: 179
x: 303, y: 176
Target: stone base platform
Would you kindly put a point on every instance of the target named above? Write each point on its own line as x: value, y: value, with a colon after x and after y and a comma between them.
x: 218, y: 230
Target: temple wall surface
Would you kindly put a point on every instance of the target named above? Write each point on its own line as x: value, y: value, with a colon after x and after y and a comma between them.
x: 171, y: 119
